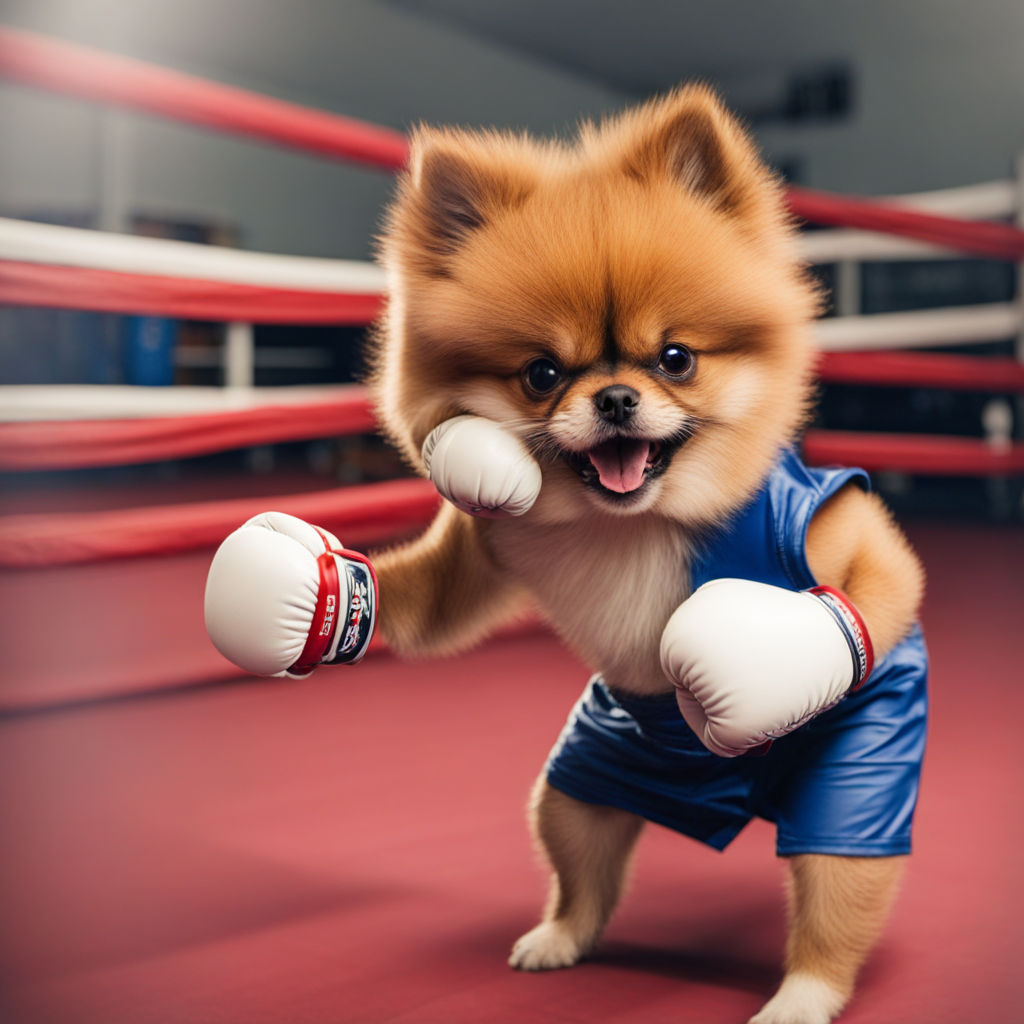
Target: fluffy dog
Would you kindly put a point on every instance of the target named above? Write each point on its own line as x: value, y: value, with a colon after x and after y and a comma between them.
x: 633, y: 309
x: 601, y: 353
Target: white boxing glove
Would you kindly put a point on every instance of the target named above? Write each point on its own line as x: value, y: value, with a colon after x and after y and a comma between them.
x: 752, y: 662
x: 481, y: 468
x: 283, y: 596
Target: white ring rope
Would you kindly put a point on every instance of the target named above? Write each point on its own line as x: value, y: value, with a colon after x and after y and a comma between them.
x: 50, y: 244
x: 952, y: 325
x: 27, y: 403
x: 992, y: 200
x: 30, y: 242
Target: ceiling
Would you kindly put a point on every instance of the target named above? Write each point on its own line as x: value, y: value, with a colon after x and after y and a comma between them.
x: 645, y: 46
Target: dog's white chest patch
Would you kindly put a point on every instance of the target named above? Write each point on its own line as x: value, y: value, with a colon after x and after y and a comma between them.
x: 607, y: 585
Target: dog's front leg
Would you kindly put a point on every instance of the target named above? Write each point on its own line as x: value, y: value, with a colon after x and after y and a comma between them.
x: 442, y: 592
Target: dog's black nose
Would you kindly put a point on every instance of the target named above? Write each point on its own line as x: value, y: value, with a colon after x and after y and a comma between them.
x: 617, y: 403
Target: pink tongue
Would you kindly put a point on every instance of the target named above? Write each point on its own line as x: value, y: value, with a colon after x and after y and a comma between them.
x: 620, y: 463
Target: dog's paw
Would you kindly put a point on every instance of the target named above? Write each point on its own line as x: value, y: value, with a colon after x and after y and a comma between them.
x: 546, y: 947
x: 801, y: 999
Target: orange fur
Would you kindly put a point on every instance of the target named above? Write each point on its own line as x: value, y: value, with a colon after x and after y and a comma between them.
x: 430, y: 608
x: 659, y: 227
x: 837, y: 906
x: 589, y: 849
x: 854, y: 545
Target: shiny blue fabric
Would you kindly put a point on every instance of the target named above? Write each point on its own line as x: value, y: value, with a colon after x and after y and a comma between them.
x: 844, y: 783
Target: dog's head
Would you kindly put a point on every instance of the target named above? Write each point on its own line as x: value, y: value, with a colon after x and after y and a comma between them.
x: 631, y: 306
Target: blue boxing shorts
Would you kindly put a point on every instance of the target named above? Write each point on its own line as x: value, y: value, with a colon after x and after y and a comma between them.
x: 844, y: 783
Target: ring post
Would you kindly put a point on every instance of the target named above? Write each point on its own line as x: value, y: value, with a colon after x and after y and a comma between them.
x: 239, y: 356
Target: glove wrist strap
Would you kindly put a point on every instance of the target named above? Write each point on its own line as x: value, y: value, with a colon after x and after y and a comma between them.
x: 849, y: 621
x: 354, y: 623
x: 357, y: 627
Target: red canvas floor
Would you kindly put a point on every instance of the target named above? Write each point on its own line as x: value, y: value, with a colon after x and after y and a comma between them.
x: 351, y: 849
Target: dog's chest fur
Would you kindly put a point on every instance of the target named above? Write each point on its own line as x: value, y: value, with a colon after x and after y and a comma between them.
x: 606, y: 584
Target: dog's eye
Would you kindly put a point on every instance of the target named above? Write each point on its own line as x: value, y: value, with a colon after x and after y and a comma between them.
x: 677, y: 361
x: 541, y: 375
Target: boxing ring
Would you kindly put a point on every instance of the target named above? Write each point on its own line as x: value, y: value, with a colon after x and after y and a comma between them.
x: 185, y: 844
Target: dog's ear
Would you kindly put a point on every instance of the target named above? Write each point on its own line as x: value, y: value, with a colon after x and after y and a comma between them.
x: 456, y: 182
x: 690, y: 138
x: 452, y: 190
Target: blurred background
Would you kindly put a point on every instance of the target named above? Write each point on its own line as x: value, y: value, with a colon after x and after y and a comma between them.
x: 183, y: 844
x: 856, y: 96
x: 870, y: 97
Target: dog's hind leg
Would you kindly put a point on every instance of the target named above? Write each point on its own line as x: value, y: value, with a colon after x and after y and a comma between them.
x: 837, y: 909
x: 588, y: 847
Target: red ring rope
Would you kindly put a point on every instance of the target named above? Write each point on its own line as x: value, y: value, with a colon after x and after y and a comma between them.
x: 100, y: 76
x: 76, y: 444
x: 79, y: 444
x: 364, y: 514
x: 913, y: 453
x: 112, y: 291
x: 997, y: 241
x: 103, y: 77
x: 924, y: 369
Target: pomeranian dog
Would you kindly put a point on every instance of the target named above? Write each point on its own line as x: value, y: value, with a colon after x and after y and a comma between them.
x: 633, y: 309
x: 601, y: 352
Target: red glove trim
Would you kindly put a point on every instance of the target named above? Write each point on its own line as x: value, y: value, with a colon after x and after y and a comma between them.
x: 849, y: 619
x: 325, y: 617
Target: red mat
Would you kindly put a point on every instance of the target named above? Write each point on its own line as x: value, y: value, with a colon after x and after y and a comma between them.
x: 351, y: 849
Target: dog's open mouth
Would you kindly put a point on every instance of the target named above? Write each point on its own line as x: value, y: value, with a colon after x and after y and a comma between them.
x: 621, y: 466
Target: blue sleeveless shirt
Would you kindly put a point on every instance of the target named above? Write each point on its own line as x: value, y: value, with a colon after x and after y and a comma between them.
x: 844, y: 783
